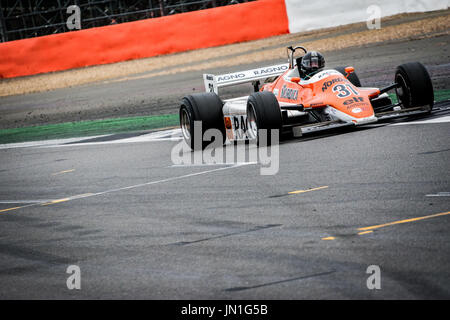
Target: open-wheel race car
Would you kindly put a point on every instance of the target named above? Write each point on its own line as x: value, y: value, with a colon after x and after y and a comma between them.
x: 301, y: 97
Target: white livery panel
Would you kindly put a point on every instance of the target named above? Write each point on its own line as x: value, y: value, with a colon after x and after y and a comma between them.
x: 214, y: 82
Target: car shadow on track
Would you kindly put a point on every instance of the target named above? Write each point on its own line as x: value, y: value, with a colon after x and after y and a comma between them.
x: 440, y: 109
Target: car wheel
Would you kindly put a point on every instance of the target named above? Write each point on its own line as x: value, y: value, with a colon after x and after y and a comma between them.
x: 263, y: 112
x: 353, y: 77
x: 415, y: 88
x: 204, y: 107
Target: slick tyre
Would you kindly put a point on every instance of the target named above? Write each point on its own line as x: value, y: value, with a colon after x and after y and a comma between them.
x: 414, y: 86
x: 263, y: 118
x: 204, y: 108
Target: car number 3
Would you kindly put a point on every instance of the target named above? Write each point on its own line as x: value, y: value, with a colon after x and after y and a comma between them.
x: 344, y: 90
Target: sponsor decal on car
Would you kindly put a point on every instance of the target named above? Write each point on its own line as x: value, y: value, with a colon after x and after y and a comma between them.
x: 269, y: 70
x: 240, y: 123
x: 326, y: 73
x: 328, y: 84
x: 240, y: 127
x: 233, y: 76
x: 288, y: 93
x: 250, y: 75
x: 353, y: 100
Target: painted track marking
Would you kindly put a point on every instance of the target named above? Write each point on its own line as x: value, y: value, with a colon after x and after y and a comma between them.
x: 23, y: 201
x: 439, y: 194
x: 64, y: 171
x: 443, y: 119
x: 9, y: 209
x: 404, y: 221
x: 307, y: 190
x: 367, y: 230
x: 87, y: 195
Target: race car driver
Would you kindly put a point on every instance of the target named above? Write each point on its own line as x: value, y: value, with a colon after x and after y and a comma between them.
x: 311, y: 63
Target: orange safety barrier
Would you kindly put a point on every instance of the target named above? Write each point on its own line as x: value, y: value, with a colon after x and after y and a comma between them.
x: 145, y: 38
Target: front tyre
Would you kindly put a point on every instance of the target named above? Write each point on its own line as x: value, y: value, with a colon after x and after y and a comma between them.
x: 414, y: 86
x: 203, y: 107
x: 263, y: 112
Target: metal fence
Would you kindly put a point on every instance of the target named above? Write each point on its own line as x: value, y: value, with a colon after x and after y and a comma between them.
x: 21, y: 19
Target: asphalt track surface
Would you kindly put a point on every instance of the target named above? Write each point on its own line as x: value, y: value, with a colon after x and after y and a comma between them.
x: 140, y: 227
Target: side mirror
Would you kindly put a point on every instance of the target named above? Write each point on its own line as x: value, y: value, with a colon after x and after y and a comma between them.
x: 295, y: 79
x: 349, y: 70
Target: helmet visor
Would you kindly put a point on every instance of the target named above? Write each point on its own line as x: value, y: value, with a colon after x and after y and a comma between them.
x: 314, y: 62
x: 311, y: 62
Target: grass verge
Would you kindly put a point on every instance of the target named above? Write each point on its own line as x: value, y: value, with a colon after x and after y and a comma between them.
x: 87, y: 128
x: 439, y: 95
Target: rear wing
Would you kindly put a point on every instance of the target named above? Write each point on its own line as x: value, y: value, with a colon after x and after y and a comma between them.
x: 214, y: 82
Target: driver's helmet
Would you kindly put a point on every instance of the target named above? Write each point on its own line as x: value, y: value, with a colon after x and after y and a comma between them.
x: 312, y: 62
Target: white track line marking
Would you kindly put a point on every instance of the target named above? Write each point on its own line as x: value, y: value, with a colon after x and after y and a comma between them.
x: 211, y: 164
x: 88, y: 195
x: 166, y: 135
x: 64, y: 171
x: 163, y: 180
x: 23, y: 201
x: 429, y: 121
x: 44, y: 142
x: 439, y: 194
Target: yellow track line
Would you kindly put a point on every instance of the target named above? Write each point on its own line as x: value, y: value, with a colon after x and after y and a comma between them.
x: 9, y: 209
x: 64, y: 171
x: 84, y: 195
x: 365, y: 232
x: 370, y: 229
x: 308, y: 190
x: 55, y: 201
x: 404, y: 221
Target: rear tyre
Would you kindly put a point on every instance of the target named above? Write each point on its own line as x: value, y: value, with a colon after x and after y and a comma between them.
x: 415, y: 87
x: 204, y: 107
x: 263, y: 112
x: 353, y: 77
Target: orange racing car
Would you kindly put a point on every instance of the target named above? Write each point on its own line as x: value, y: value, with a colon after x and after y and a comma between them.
x: 300, y: 97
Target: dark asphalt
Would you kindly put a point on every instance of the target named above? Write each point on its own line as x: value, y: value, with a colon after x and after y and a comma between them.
x: 228, y: 232
x: 231, y: 233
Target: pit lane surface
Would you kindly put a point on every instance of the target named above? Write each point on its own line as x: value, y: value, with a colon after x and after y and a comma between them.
x: 140, y: 227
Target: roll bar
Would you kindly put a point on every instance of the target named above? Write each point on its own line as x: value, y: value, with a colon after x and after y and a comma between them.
x: 290, y: 52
